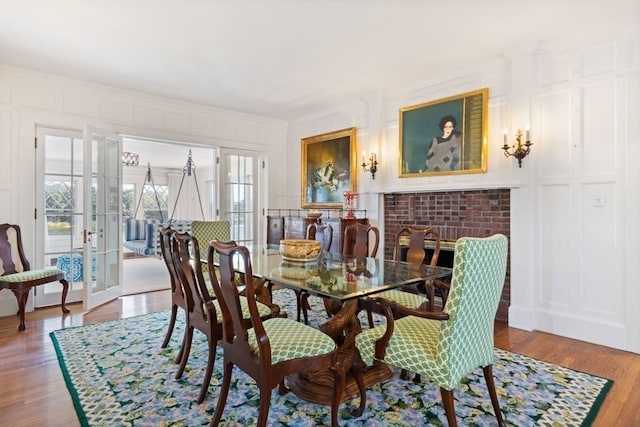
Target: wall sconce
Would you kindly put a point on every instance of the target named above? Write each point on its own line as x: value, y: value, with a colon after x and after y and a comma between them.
x: 130, y: 159
x: 371, y: 165
x: 519, y: 150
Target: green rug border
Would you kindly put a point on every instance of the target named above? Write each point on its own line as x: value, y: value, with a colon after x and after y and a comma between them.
x: 593, y: 413
x: 82, y: 417
x: 597, y: 403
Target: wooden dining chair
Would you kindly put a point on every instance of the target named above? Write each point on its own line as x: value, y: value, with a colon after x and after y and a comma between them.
x: 271, y: 349
x: 322, y: 232
x: 16, y: 273
x: 445, y: 346
x: 365, y: 238
x: 178, y: 297
x: 203, y: 310
x: 422, y: 294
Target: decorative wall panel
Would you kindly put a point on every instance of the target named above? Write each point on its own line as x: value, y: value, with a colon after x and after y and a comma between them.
x: 554, y: 144
x: 600, y: 251
x: 559, y: 278
x: 599, y: 129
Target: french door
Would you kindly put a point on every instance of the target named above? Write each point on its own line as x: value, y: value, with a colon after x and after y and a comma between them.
x: 239, y: 194
x: 77, y: 215
x: 102, y: 233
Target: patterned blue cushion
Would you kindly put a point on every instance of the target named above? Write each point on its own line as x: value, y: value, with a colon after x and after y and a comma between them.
x: 72, y: 267
x: 134, y: 229
x: 153, y: 234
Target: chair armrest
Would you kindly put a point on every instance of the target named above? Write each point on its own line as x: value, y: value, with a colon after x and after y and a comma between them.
x: 401, y: 310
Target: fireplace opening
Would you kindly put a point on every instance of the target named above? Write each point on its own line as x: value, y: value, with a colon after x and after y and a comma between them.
x: 454, y: 214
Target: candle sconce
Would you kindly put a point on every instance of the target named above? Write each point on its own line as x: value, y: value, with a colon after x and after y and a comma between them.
x: 518, y: 150
x: 371, y: 165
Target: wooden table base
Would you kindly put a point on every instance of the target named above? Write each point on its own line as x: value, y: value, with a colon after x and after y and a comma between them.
x: 309, y: 389
x: 343, y: 326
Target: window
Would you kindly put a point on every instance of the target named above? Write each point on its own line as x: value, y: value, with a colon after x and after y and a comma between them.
x: 155, y: 204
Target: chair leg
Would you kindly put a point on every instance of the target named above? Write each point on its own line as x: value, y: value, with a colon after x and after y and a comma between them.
x: 370, y: 318
x: 491, y: 386
x: 209, y: 371
x: 304, y: 304
x: 404, y: 374
x: 298, y: 304
x: 449, y: 409
x: 182, y: 345
x: 265, y: 402
x: 65, y: 291
x: 224, y: 392
x: 338, y: 386
x: 21, y: 296
x: 172, y: 322
x: 186, y: 349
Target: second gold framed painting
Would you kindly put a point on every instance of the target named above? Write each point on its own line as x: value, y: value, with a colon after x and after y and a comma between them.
x: 328, y: 168
x: 445, y: 137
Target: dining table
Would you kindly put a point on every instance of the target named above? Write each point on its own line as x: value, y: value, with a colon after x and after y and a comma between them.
x: 341, y: 281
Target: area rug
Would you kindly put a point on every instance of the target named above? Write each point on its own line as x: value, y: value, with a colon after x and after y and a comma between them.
x: 118, y: 375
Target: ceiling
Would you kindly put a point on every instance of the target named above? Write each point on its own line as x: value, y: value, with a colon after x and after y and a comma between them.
x: 284, y: 58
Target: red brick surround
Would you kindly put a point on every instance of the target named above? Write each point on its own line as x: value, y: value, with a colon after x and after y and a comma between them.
x: 475, y: 213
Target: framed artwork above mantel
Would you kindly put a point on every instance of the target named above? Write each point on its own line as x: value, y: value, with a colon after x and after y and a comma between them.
x: 445, y: 137
x: 328, y: 168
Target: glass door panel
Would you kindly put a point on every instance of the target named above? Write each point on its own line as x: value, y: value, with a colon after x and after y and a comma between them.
x: 238, y: 196
x: 59, y: 161
x: 102, y: 235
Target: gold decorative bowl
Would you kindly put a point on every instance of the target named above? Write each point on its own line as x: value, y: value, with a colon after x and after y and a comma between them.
x: 300, y: 250
x: 314, y: 214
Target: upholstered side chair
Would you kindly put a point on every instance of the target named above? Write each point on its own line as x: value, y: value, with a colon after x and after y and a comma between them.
x: 16, y: 273
x: 178, y: 297
x: 445, y: 346
x: 271, y: 349
x: 203, y: 309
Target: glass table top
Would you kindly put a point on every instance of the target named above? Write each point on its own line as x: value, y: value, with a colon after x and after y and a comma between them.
x: 340, y: 278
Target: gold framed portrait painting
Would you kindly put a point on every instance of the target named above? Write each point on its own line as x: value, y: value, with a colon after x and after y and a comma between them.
x: 445, y: 137
x: 328, y: 168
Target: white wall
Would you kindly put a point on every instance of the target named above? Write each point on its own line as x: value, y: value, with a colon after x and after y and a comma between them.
x: 572, y: 261
x: 28, y: 98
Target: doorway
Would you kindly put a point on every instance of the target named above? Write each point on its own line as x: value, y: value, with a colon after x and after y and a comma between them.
x: 78, y: 214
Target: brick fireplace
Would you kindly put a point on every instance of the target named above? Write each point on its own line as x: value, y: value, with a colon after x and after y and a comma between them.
x: 454, y: 214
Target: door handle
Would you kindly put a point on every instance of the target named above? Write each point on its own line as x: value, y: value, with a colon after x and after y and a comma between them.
x: 85, y: 236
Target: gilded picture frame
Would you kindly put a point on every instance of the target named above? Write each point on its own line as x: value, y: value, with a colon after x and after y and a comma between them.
x: 447, y: 136
x: 328, y: 168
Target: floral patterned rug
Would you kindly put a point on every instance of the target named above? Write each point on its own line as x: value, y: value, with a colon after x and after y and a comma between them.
x: 118, y: 375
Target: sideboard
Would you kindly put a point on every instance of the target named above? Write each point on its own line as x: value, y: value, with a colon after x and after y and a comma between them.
x: 293, y: 223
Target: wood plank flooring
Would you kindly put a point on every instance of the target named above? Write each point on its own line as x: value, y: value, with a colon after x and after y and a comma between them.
x: 33, y: 392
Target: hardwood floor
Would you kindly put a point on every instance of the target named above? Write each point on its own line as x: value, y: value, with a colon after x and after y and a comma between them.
x: 33, y: 392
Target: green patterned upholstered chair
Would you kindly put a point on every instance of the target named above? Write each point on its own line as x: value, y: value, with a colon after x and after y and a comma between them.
x: 445, y: 346
x: 272, y: 349
x: 418, y: 295
x: 17, y: 275
x: 206, y: 231
x: 203, y: 310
